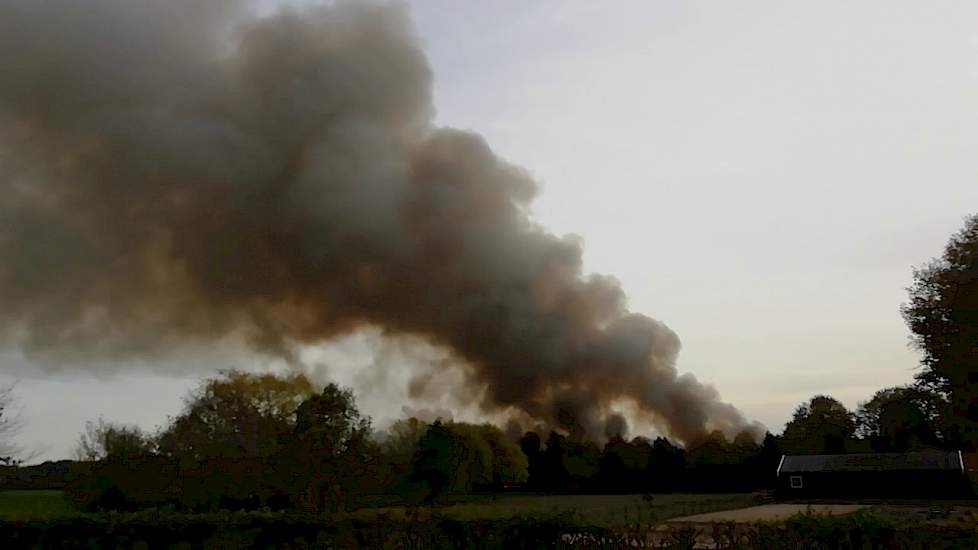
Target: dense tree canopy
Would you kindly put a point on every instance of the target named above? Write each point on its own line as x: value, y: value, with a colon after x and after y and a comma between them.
x: 821, y: 425
x: 901, y: 418
x: 242, y: 441
x: 236, y: 415
x: 942, y: 314
x: 457, y: 457
x: 329, y: 453
x: 249, y: 441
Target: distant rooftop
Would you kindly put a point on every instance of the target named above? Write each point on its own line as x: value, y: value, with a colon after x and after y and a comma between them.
x: 931, y: 460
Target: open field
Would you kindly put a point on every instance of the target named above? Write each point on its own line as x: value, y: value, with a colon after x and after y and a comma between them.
x: 770, y: 512
x: 598, y: 510
x: 33, y: 504
x: 601, y: 510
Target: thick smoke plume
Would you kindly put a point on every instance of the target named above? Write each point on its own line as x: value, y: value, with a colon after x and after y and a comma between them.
x: 176, y: 172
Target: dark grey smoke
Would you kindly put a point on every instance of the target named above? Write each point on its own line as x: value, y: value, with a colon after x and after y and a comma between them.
x: 176, y: 172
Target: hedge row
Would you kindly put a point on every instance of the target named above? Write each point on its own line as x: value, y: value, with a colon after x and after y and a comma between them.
x: 860, y: 531
x: 149, y: 530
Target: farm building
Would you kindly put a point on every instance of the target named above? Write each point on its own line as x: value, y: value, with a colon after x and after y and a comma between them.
x: 929, y: 474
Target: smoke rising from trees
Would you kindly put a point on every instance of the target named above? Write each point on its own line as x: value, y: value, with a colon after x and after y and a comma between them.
x: 176, y: 173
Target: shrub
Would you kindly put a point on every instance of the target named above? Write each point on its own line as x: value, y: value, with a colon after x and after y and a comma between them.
x: 156, y: 529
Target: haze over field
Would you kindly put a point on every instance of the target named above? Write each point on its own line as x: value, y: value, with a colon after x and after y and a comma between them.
x: 759, y: 179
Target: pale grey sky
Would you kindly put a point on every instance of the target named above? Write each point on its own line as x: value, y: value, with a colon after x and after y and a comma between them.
x: 761, y: 176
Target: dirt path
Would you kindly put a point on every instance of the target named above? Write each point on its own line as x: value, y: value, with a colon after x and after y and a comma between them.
x: 769, y: 512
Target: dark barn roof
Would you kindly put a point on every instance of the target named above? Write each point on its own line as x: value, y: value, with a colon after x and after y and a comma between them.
x: 875, y: 462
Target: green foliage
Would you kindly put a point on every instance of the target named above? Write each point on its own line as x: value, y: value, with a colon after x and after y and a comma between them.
x: 242, y: 441
x: 509, y: 464
x: 329, y: 454
x: 236, y: 416
x: 456, y: 457
x: 581, y: 461
x: 616, y: 511
x: 449, y: 459
x: 222, y: 448
x: 33, y: 504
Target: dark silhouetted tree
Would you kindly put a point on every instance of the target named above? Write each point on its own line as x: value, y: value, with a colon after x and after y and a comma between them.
x: 437, y: 460
x: 554, y: 465
x: 102, y: 439
x: 120, y: 469
x: 900, y: 419
x: 531, y: 446
x: 452, y: 458
x: 768, y: 461
x: 330, y: 454
x: 718, y: 464
x: 581, y: 462
x: 623, y: 465
x: 942, y: 314
x: 667, y: 466
x: 821, y: 425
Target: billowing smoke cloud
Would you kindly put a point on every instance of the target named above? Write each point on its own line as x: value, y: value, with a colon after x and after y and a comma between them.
x: 177, y: 172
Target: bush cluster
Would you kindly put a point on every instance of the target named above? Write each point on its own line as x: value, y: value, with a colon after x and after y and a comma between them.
x: 153, y: 529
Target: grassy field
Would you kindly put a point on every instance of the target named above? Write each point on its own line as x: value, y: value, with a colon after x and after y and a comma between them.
x: 33, y: 504
x: 601, y: 510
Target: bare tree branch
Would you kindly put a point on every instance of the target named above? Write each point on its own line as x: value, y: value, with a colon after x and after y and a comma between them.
x: 11, y: 423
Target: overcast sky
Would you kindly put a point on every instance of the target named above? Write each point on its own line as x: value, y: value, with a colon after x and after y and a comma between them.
x: 782, y: 166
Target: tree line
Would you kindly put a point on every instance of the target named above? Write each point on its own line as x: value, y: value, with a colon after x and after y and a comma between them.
x: 249, y: 441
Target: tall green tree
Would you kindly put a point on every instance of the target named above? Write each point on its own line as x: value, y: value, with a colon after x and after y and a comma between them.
x: 459, y: 457
x: 509, y: 463
x: 230, y: 435
x: 236, y: 415
x: 942, y: 314
x: 330, y: 454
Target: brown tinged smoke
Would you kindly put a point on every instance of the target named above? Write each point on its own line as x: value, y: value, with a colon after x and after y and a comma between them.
x: 176, y: 172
